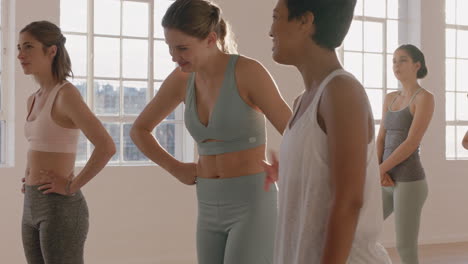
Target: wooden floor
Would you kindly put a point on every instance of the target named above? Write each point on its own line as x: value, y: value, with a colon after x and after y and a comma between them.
x: 455, y: 253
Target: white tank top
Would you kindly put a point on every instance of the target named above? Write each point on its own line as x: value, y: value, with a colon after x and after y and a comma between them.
x: 305, y: 195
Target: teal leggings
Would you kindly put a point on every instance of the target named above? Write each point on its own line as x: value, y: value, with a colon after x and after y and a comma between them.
x: 406, y: 199
x: 236, y: 220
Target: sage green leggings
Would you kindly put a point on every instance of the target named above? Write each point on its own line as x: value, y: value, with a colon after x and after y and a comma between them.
x: 406, y: 199
x: 236, y: 220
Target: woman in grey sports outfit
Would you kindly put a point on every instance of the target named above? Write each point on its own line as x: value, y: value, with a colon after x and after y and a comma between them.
x: 55, y: 213
x: 227, y: 97
x: 406, y: 116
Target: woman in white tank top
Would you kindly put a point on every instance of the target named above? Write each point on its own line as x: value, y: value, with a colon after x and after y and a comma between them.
x: 330, y: 206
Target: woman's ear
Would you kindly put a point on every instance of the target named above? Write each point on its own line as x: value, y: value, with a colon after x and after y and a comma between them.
x: 212, y: 39
x: 52, y: 51
x: 307, y: 22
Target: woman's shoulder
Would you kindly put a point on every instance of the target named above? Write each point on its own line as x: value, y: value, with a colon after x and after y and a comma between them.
x: 248, y: 65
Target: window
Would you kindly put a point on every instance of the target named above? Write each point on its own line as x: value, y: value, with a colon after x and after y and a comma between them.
x: 456, y: 82
x: 367, y: 51
x: 3, y: 106
x: 120, y: 59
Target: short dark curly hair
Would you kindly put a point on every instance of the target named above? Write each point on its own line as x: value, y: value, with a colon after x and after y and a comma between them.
x: 332, y: 19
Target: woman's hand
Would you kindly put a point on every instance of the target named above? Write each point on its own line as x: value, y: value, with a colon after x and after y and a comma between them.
x: 386, y: 180
x: 271, y: 170
x: 185, y: 173
x: 56, y: 184
x: 23, y: 180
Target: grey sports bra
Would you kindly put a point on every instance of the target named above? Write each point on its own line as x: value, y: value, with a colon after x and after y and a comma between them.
x: 233, y: 124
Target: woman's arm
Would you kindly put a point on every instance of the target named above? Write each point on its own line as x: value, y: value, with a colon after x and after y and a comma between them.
x: 262, y: 92
x: 346, y: 114
x: 422, y: 117
x: 380, y: 142
x: 70, y: 103
x: 169, y: 96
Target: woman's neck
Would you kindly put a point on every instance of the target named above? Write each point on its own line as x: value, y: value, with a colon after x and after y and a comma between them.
x: 46, y: 81
x: 316, y: 65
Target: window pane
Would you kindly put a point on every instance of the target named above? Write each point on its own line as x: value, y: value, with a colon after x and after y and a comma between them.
x: 392, y: 36
x: 135, y: 19
x: 114, y: 131
x: 450, y: 44
x: 461, y: 151
x: 76, y: 47
x: 172, y: 115
x: 462, y: 107
x: 462, y: 43
x: 353, y: 64
x: 392, y: 9
x: 373, y: 36
x: 450, y: 142
x: 73, y: 15
x: 450, y: 11
x: 134, y: 97
x: 462, y: 10
x: 160, y: 8
x: 2, y: 142
x: 462, y: 76
x: 376, y: 130
x: 163, y: 64
x: 80, y: 84
x: 82, y: 149
x: 106, y: 57
x: 450, y: 75
x: 165, y: 134
x: 106, y: 97
x: 130, y: 151
x: 374, y: 8
x: 107, y: 17
x: 392, y: 81
x: 135, y: 58
x: 353, y: 40
x: 373, y: 71
x: 450, y: 106
x: 375, y: 98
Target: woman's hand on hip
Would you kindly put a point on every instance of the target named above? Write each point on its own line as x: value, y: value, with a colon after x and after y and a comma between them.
x: 55, y: 183
x: 186, y: 173
x: 271, y: 170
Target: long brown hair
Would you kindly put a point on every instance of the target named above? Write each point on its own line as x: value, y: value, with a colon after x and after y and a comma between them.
x: 198, y: 18
x: 49, y: 34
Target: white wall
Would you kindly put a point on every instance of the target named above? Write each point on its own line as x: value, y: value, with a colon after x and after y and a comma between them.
x: 142, y: 215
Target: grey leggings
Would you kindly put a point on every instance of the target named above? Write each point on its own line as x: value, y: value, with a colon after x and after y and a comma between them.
x: 406, y: 199
x: 54, y: 227
x: 236, y: 220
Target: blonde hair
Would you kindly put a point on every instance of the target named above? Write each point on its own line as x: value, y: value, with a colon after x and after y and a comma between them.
x: 198, y: 18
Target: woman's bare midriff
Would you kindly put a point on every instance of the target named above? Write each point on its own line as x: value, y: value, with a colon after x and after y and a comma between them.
x: 233, y: 164
x: 62, y: 165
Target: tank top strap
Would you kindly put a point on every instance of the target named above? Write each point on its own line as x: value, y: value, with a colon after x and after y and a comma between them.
x: 414, y: 95
x: 327, y: 80
x: 393, y: 101
x: 51, y: 98
x: 190, y: 89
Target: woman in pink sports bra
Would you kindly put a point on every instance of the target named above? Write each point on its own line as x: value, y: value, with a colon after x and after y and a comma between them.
x: 55, y: 214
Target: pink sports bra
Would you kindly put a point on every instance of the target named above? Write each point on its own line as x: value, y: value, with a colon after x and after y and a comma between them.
x: 43, y: 134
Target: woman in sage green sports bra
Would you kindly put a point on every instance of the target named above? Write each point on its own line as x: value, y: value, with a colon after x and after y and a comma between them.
x: 406, y: 116
x: 226, y: 100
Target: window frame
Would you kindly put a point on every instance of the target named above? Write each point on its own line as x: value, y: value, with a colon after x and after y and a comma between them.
x: 184, y: 145
x: 456, y: 137
x: 385, y: 53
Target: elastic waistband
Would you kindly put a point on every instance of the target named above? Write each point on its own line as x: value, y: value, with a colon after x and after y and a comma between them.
x: 242, y: 188
x: 32, y: 192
